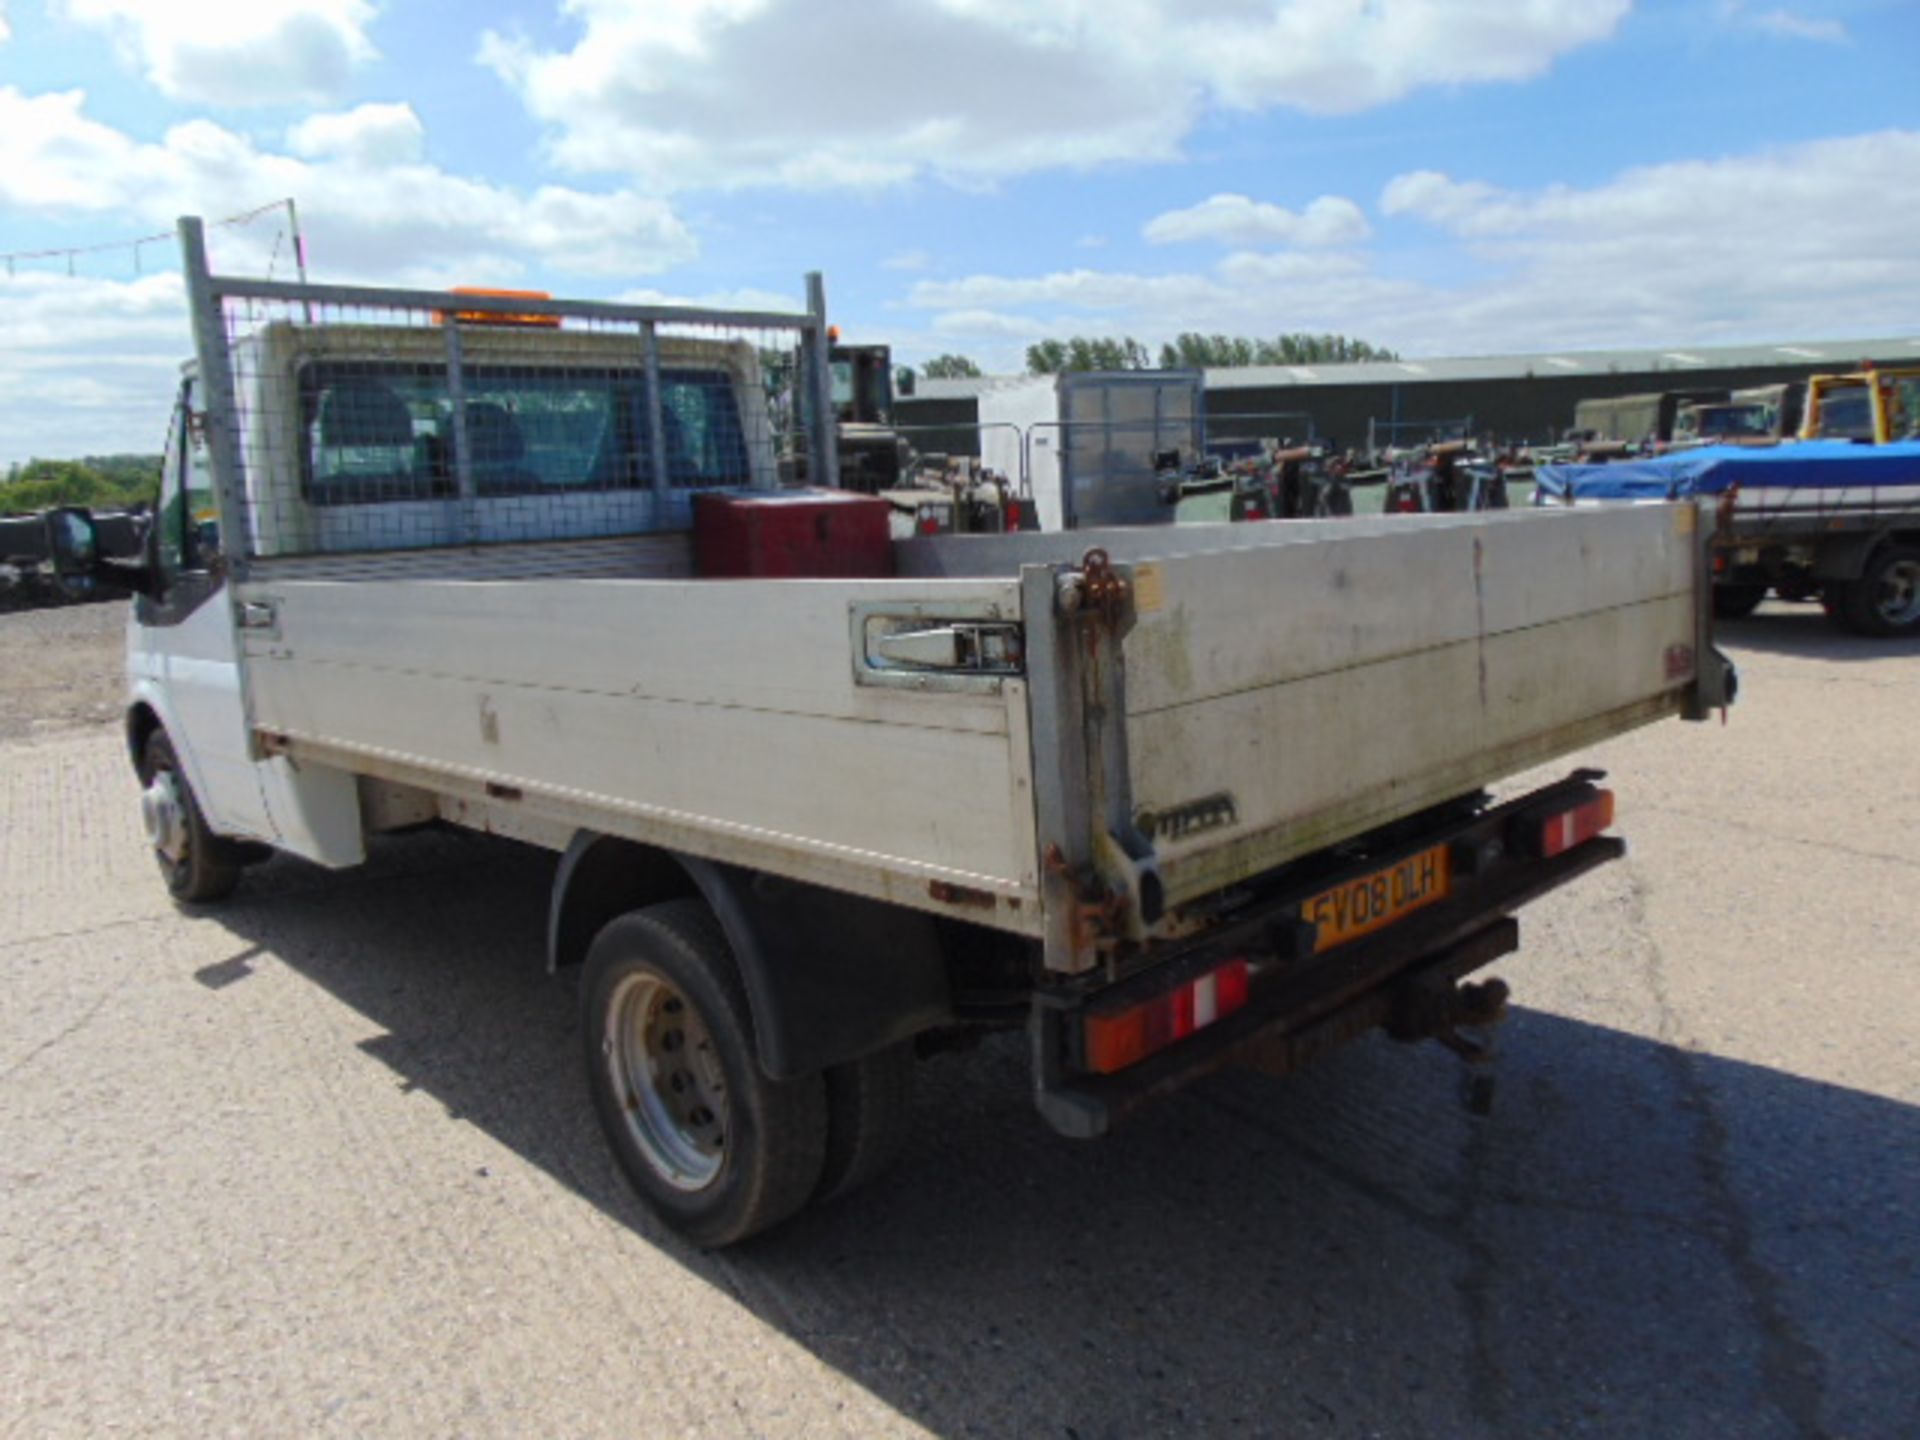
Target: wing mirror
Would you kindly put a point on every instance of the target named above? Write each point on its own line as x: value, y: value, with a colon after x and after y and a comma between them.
x: 73, y: 546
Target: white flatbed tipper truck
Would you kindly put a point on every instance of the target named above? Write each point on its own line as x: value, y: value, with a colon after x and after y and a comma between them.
x: 1164, y: 798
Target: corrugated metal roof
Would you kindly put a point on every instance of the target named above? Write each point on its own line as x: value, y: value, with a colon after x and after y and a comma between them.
x: 925, y: 389
x: 1834, y: 354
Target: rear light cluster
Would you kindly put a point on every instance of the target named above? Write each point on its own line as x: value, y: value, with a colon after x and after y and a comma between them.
x: 1560, y: 833
x: 1121, y: 1037
x: 1119, y: 1034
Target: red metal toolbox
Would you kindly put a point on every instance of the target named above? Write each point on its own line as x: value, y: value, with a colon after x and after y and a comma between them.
x: 792, y: 535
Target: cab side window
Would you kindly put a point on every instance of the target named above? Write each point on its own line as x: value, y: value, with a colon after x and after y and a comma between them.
x: 200, y: 544
x: 169, y: 521
x: 186, y: 527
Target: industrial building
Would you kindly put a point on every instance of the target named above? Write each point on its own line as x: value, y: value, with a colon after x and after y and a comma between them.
x: 1514, y: 398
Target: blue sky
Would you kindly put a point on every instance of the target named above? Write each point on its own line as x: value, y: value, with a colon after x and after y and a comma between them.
x: 1442, y: 176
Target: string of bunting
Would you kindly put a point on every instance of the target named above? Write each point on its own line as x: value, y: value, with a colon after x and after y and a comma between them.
x: 72, y: 253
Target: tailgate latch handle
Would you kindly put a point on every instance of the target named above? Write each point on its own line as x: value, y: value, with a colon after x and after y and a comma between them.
x: 259, y: 615
x: 965, y: 646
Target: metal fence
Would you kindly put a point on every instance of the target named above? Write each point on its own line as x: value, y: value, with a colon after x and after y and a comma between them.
x: 1385, y: 435
x: 345, y: 419
x: 1293, y: 427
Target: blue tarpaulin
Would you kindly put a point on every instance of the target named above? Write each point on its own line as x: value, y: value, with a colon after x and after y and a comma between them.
x: 1713, y: 469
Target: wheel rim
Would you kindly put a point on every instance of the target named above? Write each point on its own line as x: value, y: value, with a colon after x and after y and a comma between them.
x: 1898, y: 600
x: 667, y: 1077
x: 164, y: 813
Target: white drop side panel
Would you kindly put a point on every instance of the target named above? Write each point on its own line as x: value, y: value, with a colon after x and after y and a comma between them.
x: 719, y: 717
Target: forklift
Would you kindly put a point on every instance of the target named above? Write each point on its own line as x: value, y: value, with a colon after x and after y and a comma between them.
x: 931, y: 494
x: 872, y: 453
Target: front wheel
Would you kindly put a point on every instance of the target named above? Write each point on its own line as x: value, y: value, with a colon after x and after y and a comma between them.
x: 1885, y: 601
x: 719, y: 1150
x: 198, y: 865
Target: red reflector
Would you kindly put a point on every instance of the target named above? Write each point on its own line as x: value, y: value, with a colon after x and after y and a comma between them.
x: 928, y: 525
x: 1119, y: 1038
x: 1560, y: 833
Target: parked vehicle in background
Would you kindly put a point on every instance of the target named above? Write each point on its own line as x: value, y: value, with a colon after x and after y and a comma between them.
x: 1726, y: 422
x: 27, y: 578
x: 1645, y: 419
x: 1149, y: 796
x: 1821, y: 518
x: 1241, y: 479
x: 872, y: 454
x: 1785, y: 403
x: 1445, y: 478
x: 1873, y: 406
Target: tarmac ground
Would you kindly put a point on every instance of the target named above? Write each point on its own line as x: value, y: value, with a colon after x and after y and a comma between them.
x: 321, y: 1160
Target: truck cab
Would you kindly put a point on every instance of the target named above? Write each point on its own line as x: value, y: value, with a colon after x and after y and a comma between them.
x: 1873, y: 406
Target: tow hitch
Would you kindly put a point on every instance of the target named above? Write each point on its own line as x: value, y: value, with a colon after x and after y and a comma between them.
x: 1461, y: 1017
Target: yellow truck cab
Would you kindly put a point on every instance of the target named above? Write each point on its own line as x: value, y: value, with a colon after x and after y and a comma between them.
x: 1871, y: 405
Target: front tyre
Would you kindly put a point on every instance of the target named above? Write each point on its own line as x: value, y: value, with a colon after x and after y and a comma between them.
x: 715, y: 1147
x: 198, y: 865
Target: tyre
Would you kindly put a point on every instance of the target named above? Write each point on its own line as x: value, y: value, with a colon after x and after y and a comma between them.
x: 715, y: 1147
x: 1885, y: 600
x: 869, y: 1118
x: 1796, y: 585
x: 1736, y: 602
x: 198, y: 865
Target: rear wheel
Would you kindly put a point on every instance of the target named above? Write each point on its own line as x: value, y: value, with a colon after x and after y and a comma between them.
x: 719, y: 1150
x: 1736, y: 602
x: 1885, y: 600
x: 198, y: 865
x: 869, y: 1118
x: 1796, y: 585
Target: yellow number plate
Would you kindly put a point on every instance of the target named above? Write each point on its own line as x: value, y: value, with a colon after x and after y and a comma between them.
x: 1372, y: 902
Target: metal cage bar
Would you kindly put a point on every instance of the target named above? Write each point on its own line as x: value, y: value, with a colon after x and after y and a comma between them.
x: 352, y: 418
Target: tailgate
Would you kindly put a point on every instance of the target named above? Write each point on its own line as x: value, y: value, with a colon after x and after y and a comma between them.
x: 1285, y: 697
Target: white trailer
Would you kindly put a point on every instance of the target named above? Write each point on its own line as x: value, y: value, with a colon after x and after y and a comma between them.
x: 1088, y: 444
x: 1166, y: 798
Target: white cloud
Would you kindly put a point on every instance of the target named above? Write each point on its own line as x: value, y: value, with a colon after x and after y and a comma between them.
x: 6, y: 30
x: 907, y: 260
x: 88, y: 360
x: 1801, y: 27
x: 1239, y: 220
x: 1808, y: 241
x: 744, y: 297
x: 813, y: 93
x: 1080, y: 289
x: 370, y: 135
x: 984, y: 324
x: 374, y: 209
x: 89, y: 365
x: 237, y: 52
x: 1439, y: 198
x: 1784, y: 24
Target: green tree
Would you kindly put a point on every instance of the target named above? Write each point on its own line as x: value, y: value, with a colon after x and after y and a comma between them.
x: 950, y: 367
x: 1080, y: 352
x: 98, y: 481
x: 1195, y: 351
